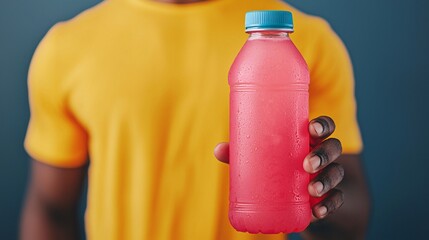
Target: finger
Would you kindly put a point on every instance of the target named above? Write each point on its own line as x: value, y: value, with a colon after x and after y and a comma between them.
x: 320, y: 128
x: 221, y: 152
x: 331, y: 203
x: 323, y: 155
x: 326, y: 180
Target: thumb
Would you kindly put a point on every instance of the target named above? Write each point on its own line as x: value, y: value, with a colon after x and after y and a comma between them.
x: 221, y: 152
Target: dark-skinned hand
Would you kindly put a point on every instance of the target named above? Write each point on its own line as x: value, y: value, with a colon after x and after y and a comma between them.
x: 320, y: 162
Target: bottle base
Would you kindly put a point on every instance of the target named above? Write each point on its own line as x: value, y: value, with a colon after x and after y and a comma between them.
x: 252, y: 218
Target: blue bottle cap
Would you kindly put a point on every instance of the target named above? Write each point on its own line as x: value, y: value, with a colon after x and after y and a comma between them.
x: 269, y: 20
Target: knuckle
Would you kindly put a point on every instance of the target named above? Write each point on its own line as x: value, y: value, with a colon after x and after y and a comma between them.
x: 326, y: 180
x: 330, y: 205
x: 334, y: 200
x: 339, y: 169
x: 340, y: 199
x: 331, y: 177
x: 337, y: 197
x: 336, y: 144
x: 341, y: 196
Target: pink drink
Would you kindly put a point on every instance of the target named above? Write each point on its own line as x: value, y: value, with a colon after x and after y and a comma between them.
x: 269, y: 136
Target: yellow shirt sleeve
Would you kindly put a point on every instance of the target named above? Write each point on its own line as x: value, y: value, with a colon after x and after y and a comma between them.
x: 332, y: 88
x: 53, y: 135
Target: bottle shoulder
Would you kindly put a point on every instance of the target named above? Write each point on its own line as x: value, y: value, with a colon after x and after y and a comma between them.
x: 269, y: 61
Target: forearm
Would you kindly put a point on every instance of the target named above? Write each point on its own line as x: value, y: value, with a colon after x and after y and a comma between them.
x: 351, y: 220
x: 50, y: 209
x: 43, y: 221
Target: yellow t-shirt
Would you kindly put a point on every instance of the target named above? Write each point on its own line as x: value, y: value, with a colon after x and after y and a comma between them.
x: 141, y: 87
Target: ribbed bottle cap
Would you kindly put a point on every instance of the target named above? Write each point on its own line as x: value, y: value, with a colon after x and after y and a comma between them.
x: 269, y: 20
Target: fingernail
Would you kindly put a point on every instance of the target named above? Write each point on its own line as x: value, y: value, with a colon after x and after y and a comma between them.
x: 315, y: 162
x: 322, y: 211
x: 318, y: 128
x: 318, y: 186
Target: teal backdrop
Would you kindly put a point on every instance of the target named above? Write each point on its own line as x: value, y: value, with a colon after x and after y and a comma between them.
x: 388, y: 43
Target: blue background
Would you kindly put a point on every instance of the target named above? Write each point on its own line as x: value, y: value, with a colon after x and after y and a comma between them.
x: 388, y: 43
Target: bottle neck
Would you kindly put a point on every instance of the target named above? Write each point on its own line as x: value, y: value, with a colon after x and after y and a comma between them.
x: 269, y: 34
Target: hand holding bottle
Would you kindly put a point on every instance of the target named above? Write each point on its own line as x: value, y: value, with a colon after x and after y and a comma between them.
x: 321, y: 160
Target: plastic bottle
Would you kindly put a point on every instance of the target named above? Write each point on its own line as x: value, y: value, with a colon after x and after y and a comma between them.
x: 269, y: 137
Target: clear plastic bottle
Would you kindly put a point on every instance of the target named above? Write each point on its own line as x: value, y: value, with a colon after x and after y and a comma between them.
x: 269, y: 137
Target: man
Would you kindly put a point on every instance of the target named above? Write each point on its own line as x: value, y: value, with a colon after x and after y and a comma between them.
x: 141, y: 87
